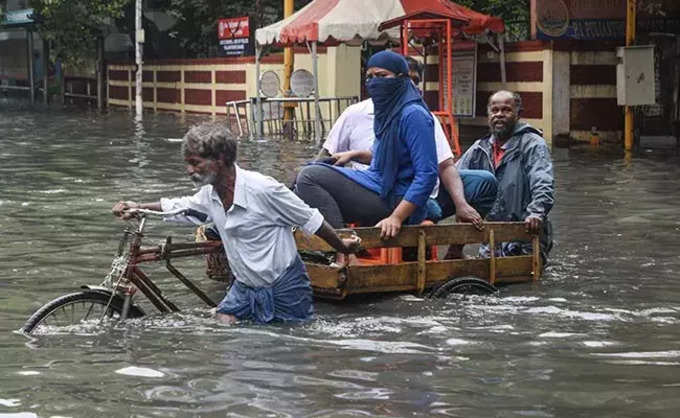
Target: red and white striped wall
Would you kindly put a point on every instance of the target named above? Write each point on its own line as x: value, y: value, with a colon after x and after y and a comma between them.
x: 568, y: 88
x: 592, y: 92
x: 196, y: 86
x: 526, y: 74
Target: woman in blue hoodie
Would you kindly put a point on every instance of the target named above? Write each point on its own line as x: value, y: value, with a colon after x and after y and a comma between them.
x: 403, y: 168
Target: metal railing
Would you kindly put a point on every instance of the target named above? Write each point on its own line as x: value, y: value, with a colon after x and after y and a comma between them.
x: 89, y: 93
x: 69, y: 88
x: 241, y: 116
x: 13, y: 87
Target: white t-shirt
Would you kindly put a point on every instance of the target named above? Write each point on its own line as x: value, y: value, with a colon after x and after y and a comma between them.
x: 354, y: 131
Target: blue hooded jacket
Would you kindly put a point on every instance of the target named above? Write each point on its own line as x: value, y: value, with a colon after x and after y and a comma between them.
x: 404, y: 164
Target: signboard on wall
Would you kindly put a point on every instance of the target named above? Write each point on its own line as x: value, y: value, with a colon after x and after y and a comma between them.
x: 234, y: 35
x: 17, y: 17
x: 463, y: 80
x: 600, y: 20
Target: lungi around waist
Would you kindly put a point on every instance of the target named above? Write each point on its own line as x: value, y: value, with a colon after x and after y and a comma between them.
x: 288, y: 299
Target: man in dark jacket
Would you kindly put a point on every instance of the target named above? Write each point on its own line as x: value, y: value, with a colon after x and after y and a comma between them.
x: 518, y: 156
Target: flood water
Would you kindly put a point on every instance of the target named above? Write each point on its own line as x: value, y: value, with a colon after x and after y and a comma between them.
x: 598, y: 336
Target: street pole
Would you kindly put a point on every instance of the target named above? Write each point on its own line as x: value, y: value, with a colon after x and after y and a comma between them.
x: 45, y: 61
x: 139, y: 50
x: 317, y: 108
x: 629, y: 126
x: 288, y: 57
x: 259, y: 124
x: 31, y: 63
x: 100, y: 73
x: 288, y: 64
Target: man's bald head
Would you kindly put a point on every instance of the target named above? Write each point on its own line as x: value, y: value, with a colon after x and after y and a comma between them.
x: 503, y: 112
x: 507, y: 94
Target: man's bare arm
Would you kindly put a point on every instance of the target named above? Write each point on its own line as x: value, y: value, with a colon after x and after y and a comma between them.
x: 343, y: 245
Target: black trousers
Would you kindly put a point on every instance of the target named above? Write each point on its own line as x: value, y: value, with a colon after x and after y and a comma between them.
x: 339, y: 199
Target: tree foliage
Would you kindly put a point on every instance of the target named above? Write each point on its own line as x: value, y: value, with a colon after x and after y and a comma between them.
x: 73, y: 26
x: 510, y: 10
x: 196, y: 28
x: 515, y: 13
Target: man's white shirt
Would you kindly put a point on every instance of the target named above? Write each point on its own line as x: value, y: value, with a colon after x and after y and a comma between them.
x: 353, y: 131
x: 256, y: 230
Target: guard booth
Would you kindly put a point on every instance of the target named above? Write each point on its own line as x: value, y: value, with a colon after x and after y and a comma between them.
x: 435, y: 27
x: 436, y: 30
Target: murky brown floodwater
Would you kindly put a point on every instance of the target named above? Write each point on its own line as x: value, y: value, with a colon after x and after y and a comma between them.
x: 599, y: 336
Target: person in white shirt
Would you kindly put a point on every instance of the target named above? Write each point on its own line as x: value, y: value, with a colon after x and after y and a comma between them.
x: 254, y: 215
x: 353, y: 130
x: 469, y: 194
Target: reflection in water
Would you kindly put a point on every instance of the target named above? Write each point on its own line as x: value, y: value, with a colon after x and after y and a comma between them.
x: 598, y: 334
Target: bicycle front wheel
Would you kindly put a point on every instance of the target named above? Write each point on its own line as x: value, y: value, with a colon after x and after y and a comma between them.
x: 75, y: 309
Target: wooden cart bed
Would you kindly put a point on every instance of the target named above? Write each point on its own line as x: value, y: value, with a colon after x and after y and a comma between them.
x: 422, y: 274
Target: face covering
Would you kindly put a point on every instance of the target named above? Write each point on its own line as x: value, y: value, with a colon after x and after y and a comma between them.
x: 389, y: 95
x: 382, y: 89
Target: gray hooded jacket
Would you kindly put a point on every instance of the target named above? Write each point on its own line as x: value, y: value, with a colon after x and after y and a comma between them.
x: 525, y: 179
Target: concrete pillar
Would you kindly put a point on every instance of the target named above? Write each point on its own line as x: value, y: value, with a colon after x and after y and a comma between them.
x: 548, y: 68
x: 343, y: 65
x: 561, y: 89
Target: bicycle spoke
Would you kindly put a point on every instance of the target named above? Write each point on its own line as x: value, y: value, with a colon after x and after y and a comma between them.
x: 67, y: 314
x: 55, y: 315
x: 88, y: 311
x: 62, y: 315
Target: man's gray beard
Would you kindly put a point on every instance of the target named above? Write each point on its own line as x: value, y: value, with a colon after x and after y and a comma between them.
x: 200, y: 181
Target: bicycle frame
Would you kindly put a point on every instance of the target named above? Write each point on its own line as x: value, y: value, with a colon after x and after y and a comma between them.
x: 168, y: 251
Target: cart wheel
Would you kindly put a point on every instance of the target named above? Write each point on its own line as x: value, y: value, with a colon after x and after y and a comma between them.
x: 468, y: 285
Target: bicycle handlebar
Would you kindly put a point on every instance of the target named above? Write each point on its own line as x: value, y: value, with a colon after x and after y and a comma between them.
x: 186, y: 212
x: 158, y: 212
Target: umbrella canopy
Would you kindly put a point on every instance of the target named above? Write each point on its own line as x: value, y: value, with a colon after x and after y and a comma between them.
x: 351, y: 21
x: 477, y: 23
x: 332, y: 21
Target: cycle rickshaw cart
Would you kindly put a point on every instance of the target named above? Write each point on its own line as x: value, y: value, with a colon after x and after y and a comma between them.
x: 426, y: 274
x: 114, y: 298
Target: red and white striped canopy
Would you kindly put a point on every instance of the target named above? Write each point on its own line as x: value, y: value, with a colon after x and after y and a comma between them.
x: 349, y: 21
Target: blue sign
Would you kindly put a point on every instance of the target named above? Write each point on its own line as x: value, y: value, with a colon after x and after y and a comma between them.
x: 18, y: 17
x: 610, y: 29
